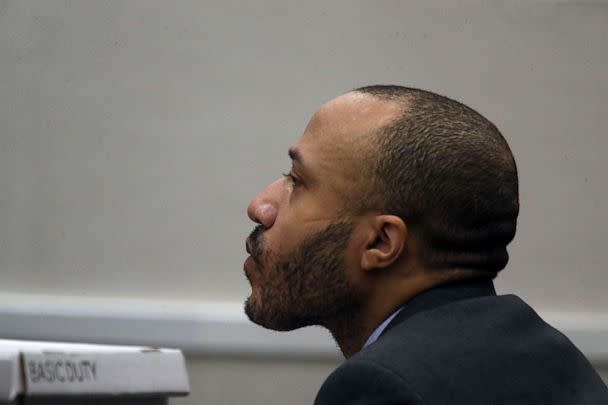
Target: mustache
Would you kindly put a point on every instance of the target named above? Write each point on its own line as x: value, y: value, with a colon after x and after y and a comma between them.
x: 255, y: 242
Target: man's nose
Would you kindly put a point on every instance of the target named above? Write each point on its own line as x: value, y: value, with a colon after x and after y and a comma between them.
x: 263, y: 208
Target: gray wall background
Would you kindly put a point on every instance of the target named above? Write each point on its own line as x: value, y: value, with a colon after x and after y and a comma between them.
x: 134, y: 133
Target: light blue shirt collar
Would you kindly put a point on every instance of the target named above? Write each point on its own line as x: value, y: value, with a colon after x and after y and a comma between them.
x: 378, y: 331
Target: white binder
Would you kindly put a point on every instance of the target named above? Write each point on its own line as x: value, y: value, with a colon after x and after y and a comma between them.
x: 58, y: 373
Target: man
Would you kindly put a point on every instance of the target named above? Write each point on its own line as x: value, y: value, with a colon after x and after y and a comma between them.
x: 388, y: 230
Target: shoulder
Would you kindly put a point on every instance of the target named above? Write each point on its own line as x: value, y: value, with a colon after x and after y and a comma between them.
x: 362, y: 380
x: 405, y: 364
x: 464, y: 353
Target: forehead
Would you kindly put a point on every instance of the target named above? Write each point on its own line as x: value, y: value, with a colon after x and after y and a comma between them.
x: 350, y: 117
x: 340, y: 130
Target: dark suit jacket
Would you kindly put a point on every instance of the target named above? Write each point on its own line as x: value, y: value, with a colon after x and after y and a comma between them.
x: 460, y: 343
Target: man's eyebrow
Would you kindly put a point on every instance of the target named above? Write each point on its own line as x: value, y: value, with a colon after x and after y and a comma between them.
x: 296, y: 158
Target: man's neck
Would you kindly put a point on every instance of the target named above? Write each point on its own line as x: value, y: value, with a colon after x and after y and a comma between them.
x: 350, y: 334
x: 352, y: 331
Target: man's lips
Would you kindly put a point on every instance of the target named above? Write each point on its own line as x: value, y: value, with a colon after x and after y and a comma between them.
x: 249, y: 250
x: 249, y: 262
x: 251, y: 270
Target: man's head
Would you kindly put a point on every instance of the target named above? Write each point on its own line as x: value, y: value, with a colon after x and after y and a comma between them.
x: 391, y: 191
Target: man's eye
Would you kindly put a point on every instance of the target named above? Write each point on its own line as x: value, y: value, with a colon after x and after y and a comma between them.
x: 293, y: 179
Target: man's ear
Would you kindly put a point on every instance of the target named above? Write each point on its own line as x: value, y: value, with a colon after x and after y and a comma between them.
x: 386, y: 241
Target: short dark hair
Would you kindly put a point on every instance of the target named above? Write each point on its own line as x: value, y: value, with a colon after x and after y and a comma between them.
x: 450, y: 174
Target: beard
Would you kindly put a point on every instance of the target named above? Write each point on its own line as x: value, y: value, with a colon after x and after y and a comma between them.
x: 308, y: 286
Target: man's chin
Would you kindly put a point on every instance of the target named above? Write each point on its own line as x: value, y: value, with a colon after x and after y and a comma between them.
x: 268, y: 320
